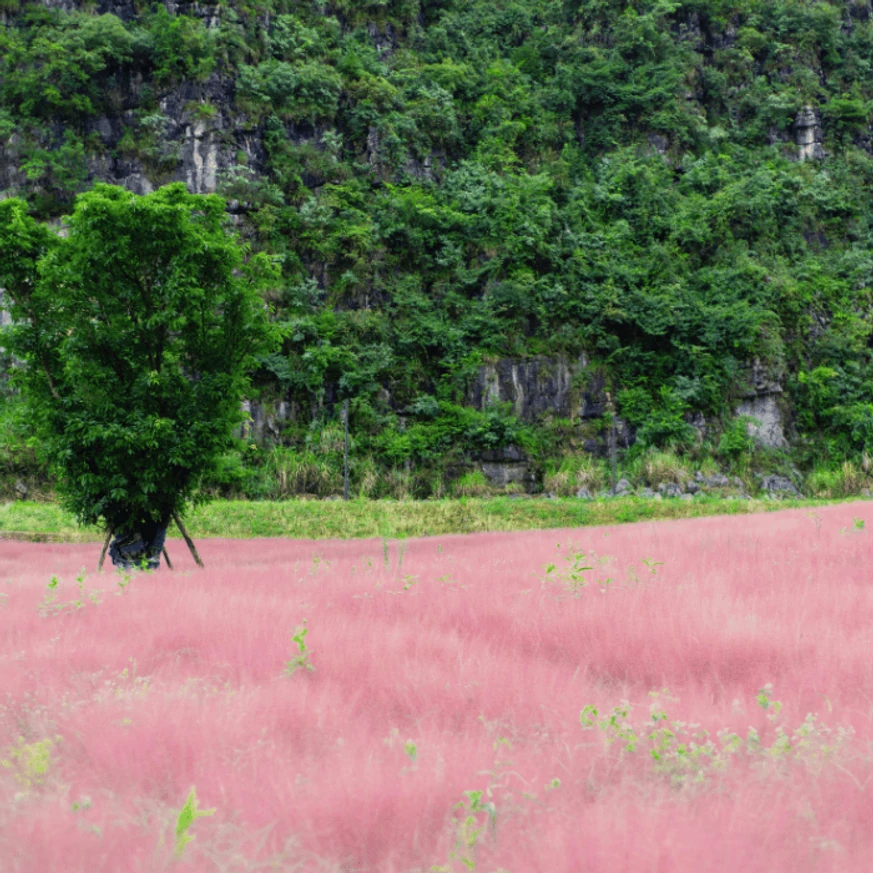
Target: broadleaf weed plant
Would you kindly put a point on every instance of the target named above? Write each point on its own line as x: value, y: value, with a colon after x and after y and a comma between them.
x: 187, y: 815
x: 572, y: 574
x: 302, y: 659
x: 469, y: 826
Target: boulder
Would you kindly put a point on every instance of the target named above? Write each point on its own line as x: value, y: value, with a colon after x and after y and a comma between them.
x: 717, y: 481
x: 779, y: 486
x: 584, y: 494
x: 670, y: 489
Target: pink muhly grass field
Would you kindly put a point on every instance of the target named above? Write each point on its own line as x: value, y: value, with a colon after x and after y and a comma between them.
x: 457, y: 665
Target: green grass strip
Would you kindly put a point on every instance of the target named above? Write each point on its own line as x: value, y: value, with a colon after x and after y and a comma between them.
x: 328, y: 519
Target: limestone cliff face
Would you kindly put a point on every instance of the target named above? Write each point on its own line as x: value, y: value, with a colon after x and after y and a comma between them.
x: 562, y: 388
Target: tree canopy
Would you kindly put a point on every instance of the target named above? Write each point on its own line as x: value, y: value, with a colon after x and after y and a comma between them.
x: 135, y: 330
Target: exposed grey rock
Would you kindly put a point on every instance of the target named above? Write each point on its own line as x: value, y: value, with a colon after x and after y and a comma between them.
x: 500, y: 474
x: 717, y: 481
x: 646, y: 492
x: 765, y: 409
x: 21, y: 488
x: 623, y: 486
x: 584, y: 494
x: 534, y: 388
x: 550, y: 495
x: 605, y: 495
x: 686, y: 497
x: 692, y: 487
x: 698, y: 421
x: 505, y: 453
x: 867, y: 493
x: 137, y: 183
x: 200, y: 158
x: 760, y: 402
x: 659, y: 143
x: 266, y: 421
x: 779, y: 486
x: 807, y: 134
x: 670, y: 489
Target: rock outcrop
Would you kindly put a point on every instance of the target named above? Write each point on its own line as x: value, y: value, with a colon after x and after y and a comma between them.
x: 761, y: 401
x: 537, y: 387
x: 808, y: 135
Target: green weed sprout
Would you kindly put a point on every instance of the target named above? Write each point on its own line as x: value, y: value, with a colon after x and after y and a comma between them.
x: 578, y: 563
x: 302, y: 659
x: 186, y: 818
x: 49, y: 606
x: 857, y: 527
x: 30, y: 761
x: 686, y: 754
x: 48, y: 603
x: 469, y: 829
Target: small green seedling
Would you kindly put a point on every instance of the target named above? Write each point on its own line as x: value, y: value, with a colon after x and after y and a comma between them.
x: 468, y: 831
x: 302, y: 660
x: 766, y: 702
x: 651, y: 564
x: 123, y: 579
x: 186, y: 818
x: 48, y: 603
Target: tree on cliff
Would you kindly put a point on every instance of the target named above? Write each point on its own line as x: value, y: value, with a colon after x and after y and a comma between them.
x: 134, y: 333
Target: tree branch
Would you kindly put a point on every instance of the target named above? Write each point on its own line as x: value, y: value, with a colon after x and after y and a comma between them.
x: 188, y: 539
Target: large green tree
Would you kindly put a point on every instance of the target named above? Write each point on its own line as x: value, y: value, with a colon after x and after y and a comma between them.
x: 135, y: 330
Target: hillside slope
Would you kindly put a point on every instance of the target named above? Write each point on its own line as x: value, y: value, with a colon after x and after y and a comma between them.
x: 533, y: 202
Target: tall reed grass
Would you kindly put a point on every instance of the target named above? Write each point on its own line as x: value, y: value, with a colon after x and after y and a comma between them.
x: 682, y: 696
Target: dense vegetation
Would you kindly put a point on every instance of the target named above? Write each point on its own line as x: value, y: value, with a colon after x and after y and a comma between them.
x: 135, y: 333
x: 446, y: 183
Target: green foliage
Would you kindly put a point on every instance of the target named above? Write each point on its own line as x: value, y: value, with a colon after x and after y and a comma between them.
x: 62, y: 66
x: 302, y: 659
x: 178, y: 47
x: 30, y: 762
x: 736, y: 440
x: 661, y: 423
x: 448, y: 183
x: 306, y: 91
x: 137, y: 331
x: 688, y: 754
x: 187, y: 816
